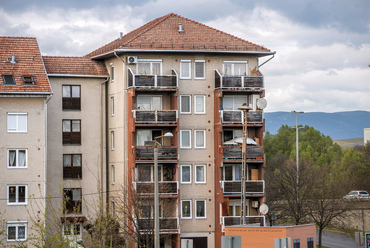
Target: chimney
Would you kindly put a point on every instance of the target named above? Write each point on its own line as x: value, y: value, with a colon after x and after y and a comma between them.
x: 120, y: 35
x: 180, y: 28
x: 13, y: 59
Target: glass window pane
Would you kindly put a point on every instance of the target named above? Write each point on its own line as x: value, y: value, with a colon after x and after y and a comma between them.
x: 200, y: 177
x: 12, y: 194
x: 237, y: 210
x: 67, y: 229
x: 22, y: 123
x: 75, y: 91
x: 200, y: 205
x: 76, y: 126
x: 11, y: 232
x: 185, y: 138
x: 21, y: 158
x: 76, y: 160
x: 67, y: 160
x: 21, y: 232
x: 12, y: 122
x: 227, y: 69
x: 186, y: 209
x: 156, y: 68
x: 199, y: 138
x: 240, y: 69
x: 199, y: 69
x: 143, y: 68
x: 185, y: 70
x: 199, y: 104
x: 77, y: 229
x: 239, y: 101
x: 185, y: 104
x: 228, y: 103
x: 142, y: 136
x: 66, y: 126
x: 12, y: 158
x: 21, y: 193
x: 66, y: 91
x: 238, y: 172
x: 76, y: 194
x: 144, y: 102
x: 157, y: 103
x: 185, y: 174
x: 144, y: 173
x: 228, y: 173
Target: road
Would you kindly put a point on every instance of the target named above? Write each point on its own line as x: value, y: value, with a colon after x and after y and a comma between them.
x: 337, y: 239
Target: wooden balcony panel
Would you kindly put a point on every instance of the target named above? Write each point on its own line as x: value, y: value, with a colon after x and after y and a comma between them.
x: 170, y: 223
x: 164, y: 153
x: 253, y: 82
x: 231, y: 82
x: 147, y: 188
x: 155, y: 116
x: 167, y: 81
x: 235, y: 152
x: 235, y: 220
x: 236, y: 117
x: 252, y: 187
x: 144, y: 80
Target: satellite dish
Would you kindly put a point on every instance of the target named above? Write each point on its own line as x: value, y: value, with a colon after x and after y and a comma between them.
x: 261, y: 103
x: 264, y: 209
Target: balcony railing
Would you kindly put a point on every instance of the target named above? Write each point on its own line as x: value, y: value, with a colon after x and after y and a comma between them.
x: 238, y: 82
x: 166, y: 224
x: 251, y: 187
x: 164, y: 188
x: 164, y: 153
x: 152, y: 81
x: 235, y: 152
x: 236, y: 117
x: 235, y: 220
x: 155, y: 116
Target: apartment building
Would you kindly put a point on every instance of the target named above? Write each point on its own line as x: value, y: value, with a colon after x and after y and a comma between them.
x: 24, y: 93
x: 174, y: 84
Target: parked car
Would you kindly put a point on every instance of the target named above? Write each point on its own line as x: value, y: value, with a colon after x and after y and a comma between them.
x: 357, y: 194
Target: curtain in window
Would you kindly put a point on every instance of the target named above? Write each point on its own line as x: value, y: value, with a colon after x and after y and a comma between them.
x: 12, y: 160
x: 76, y: 126
x: 185, y: 104
x: 200, y: 173
x: 142, y: 136
x: 21, y: 158
x: 76, y: 160
x: 185, y: 173
x: 22, y: 123
x: 199, y: 104
x: 66, y: 91
x: 21, y: 232
x: 11, y: 232
x: 76, y: 194
x: 185, y: 69
x: 199, y: 139
x: 143, y: 68
x: 75, y: 91
x: 144, y: 102
x: 67, y: 160
x: 227, y: 69
x: 238, y: 172
x: 199, y: 69
x: 156, y: 68
x: 240, y: 69
x: 66, y: 126
x: 185, y: 138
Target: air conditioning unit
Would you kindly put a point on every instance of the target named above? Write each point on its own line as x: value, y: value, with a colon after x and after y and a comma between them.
x: 254, y: 204
x: 132, y: 59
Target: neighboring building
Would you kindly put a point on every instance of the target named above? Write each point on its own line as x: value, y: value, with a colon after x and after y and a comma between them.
x: 366, y: 135
x: 170, y: 75
x: 24, y: 93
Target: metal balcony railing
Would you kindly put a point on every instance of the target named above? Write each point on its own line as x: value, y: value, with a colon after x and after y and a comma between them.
x: 155, y: 116
x: 164, y: 153
x: 238, y: 82
x: 236, y: 117
x: 152, y: 81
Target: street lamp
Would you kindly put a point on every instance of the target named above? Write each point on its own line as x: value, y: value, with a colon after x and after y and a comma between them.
x: 156, y: 191
x: 297, y: 150
x: 245, y: 108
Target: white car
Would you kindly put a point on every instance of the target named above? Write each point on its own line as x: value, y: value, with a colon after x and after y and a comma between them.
x: 357, y: 194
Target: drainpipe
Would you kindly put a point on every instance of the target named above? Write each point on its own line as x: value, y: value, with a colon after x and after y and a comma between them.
x: 102, y: 145
x: 266, y: 61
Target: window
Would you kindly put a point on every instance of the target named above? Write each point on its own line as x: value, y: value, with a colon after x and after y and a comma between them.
x: 112, y: 140
x: 149, y: 67
x: 185, y: 69
x: 17, y: 122
x: 72, y: 200
x: 234, y: 208
x: 200, y: 173
x: 234, y: 102
x: 28, y: 80
x: 146, y: 137
x: 72, y: 132
x: 149, y: 102
x: 232, y: 134
x: 199, y: 69
x: 112, y: 106
x: 232, y: 172
x: 199, y: 104
x: 72, y: 229
x: 185, y: 104
x: 8, y: 79
x: 17, y: 158
x: 200, y: 138
x: 185, y: 138
x: 186, y: 174
x: 185, y: 209
x: 309, y: 242
x: 17, y: 194
x: 113, y: 204
x: 111, y: 72
x: 200, y: 209
x: 235, y: 68
x: 71, y: 97
x: 72, y: 168
x: 296, y: 243
x: 146, y: 210
x: 16, y: 231
x: 113, y: 174
x: 145, y: 173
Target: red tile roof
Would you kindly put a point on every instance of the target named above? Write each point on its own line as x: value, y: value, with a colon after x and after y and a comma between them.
x: 162, y: 34
x: 73, y: 66
x: 28, y: 62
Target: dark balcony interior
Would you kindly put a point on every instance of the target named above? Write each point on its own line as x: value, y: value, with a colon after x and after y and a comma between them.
x: 235, y: 152
x: 235, y: 220
x: 238, y: 81
x: 252, y: 187
x: 155, y: 116
x: 169, y: 224
x: 164, y: 153
x: 153, y: 81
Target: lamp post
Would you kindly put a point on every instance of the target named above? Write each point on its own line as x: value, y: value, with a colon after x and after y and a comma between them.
x: 156, y: 191
x: 297, y: 150
x: 245, y: 108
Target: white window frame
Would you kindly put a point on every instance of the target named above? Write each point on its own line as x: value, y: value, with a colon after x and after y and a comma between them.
x: 17, y: 159
x: 188, y: 64
x: 181, y: 144
x: 235, y: 106
x: 16, y: 129
x: 204, y: 174
x: 186, y: 182
x: 112, y: 72
x: 204, y: 69
x: 232, y: 68
x: 195, y: 104
x: 113, y: 174
x: 204, y: 139
x: 181, y: 112
x: 190, y: 205
x: 205, y: 209
x: 16, y: 224
x: 72, y: 237
x: 151, y: 103
x: 17, y: 195
x: 112, y: 105
x: 112, y: 140
x: 151, y: 61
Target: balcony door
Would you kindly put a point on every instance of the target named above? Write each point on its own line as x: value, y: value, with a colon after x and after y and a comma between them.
x: 149, y: 67
x: 234, y: 102
x: 235, y: 68
x: 232, y: 134
x: 235, y: 207
x: 145, y: 173
x: 145, y: 135
x: 145, y: 102
x: 232, y: 172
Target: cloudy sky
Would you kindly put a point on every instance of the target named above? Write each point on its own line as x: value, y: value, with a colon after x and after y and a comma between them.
x: 322, y: 47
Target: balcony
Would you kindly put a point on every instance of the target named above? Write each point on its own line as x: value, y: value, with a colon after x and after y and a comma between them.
x: 238, y: 82
x: 252, y: 187
x: 155, y: 116
x: 236, y: 117
x: 249, y: 220
x: 152, y: 81
x: 235, y: 152
x: 147, y: 153
x: 166, y: 224
x: 164, y: 188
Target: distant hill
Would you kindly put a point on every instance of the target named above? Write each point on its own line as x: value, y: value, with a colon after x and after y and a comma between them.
x: 339, y: 125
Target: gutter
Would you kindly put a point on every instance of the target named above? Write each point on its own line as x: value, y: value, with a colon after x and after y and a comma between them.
x: 78, y: 75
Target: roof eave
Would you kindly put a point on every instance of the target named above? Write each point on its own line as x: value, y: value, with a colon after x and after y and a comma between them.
x: 78, y: 75
x: 111, y: 53
x: 25, y: 93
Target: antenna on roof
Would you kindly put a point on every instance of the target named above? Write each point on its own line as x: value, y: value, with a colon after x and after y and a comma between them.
x: 180, y: 28
x: 120, y: 35
x: 13, y: 59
